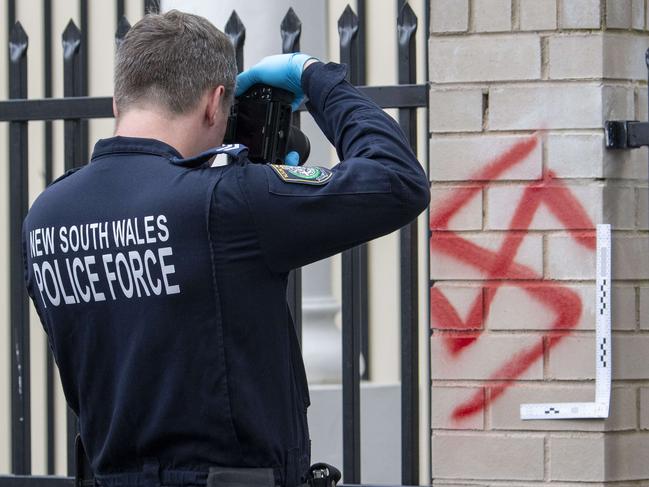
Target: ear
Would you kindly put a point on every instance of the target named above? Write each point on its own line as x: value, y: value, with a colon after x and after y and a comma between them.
x: 115, y: 112
x: 215, y: 98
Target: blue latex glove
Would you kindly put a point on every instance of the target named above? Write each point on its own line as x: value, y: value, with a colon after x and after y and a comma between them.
x: 281, y: 71
x: 292, y: 159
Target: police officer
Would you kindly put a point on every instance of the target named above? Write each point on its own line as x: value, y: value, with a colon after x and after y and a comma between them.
x: 161, y: 281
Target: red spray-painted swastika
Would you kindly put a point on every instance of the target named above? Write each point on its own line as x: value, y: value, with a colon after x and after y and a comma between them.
x: 500, y: 266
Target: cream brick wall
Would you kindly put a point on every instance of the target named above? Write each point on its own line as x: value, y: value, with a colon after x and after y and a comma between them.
x: 520, y: 177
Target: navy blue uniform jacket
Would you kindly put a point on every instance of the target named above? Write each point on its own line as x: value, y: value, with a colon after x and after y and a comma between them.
x: 161, y: 283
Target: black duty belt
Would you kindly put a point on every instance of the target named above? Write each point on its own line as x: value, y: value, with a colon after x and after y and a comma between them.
x: 320, y: 475
x: 151, y: 476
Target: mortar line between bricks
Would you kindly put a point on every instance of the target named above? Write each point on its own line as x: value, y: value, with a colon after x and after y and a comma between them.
x: 470, y: 21
x: 515, y: 20
x: 577, y: 333
x: 543, y: 141
x: 495, y: 434
x: 491, y: 434
x: 530, y: 483
x: 536, y: 384
x: 545, y: 57
x: 486, y: 417
x: 636, y: 208
x: 638, y: 410
x: 474, y: 85
x: 474, y: 283
x: 496, y: 332
x: 549, y: 430
x: 588, y: 434
x: 621, y: 184
x: 519, y: 282
x: 550, y: 232
x: 537, y: 82
x: 561, y: 32
x: 637, y: 308
x: 574, y: 181
x: 546, y: 359
x: 485, y: 212
x: 520, y: 132
x: 546, y: 459
x: 545, y: 261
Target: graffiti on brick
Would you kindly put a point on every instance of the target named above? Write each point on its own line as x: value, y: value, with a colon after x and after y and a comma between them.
x: 500, y: 267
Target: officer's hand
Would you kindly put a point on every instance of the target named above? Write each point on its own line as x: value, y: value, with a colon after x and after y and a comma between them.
x: 281, y: 71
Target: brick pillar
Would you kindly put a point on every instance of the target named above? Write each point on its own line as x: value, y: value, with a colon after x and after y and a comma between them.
x: 520, y: 177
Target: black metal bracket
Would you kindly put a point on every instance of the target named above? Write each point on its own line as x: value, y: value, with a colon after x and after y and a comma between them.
x: 626, y: 134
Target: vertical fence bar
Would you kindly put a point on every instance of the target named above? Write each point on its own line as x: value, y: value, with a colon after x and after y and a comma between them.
x: 73, y: 146
x: 120, y: 10
x: 291, y: 30
x: 407, y: 59
x: 123, y: 27
x: 47, y: 85
x: 428, y: 414
x: 362, y: 41
x: 72, y: 87
x: 236, y: 31
x: 83, y: 73
x: 49, y: 176
x: 352, y: 293
x: 11, y: 16
x: 11, y: 20
x: 361, y: 79
x: 19, y: 306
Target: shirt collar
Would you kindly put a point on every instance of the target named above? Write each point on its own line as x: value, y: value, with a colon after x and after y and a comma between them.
x: 119, y: 144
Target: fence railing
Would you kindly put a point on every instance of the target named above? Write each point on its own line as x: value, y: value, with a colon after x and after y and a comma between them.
x: 76, y: 108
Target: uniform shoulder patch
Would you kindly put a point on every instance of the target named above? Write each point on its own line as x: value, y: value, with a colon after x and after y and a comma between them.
x: 314, y: 175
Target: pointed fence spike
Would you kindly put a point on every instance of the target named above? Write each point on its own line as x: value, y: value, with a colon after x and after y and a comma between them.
x: 71, y: 39
x: 123, y: 26
x: 348, y: 19
x: 347, y: 25
x: 291, y: 30
x: 234, y: 28
x: 406, y: 23
x: 18, y: 42
x: 151, y: 7
x: 236, y: 31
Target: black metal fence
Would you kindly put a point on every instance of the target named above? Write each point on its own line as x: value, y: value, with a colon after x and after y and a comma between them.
x: 76, y: 108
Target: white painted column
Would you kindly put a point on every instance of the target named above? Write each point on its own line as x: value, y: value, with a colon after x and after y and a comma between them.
x: 321, y: 340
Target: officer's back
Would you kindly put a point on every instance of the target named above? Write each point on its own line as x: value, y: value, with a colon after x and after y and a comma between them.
x: 161, y: 280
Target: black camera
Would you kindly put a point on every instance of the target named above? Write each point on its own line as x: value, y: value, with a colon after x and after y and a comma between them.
x: 260, y: 119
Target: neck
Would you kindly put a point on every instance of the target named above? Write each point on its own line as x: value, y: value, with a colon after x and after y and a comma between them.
x: 178, y: 131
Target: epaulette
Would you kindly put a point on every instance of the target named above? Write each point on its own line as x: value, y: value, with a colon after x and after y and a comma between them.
x: 65, y: 175
x: 236, y: 152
